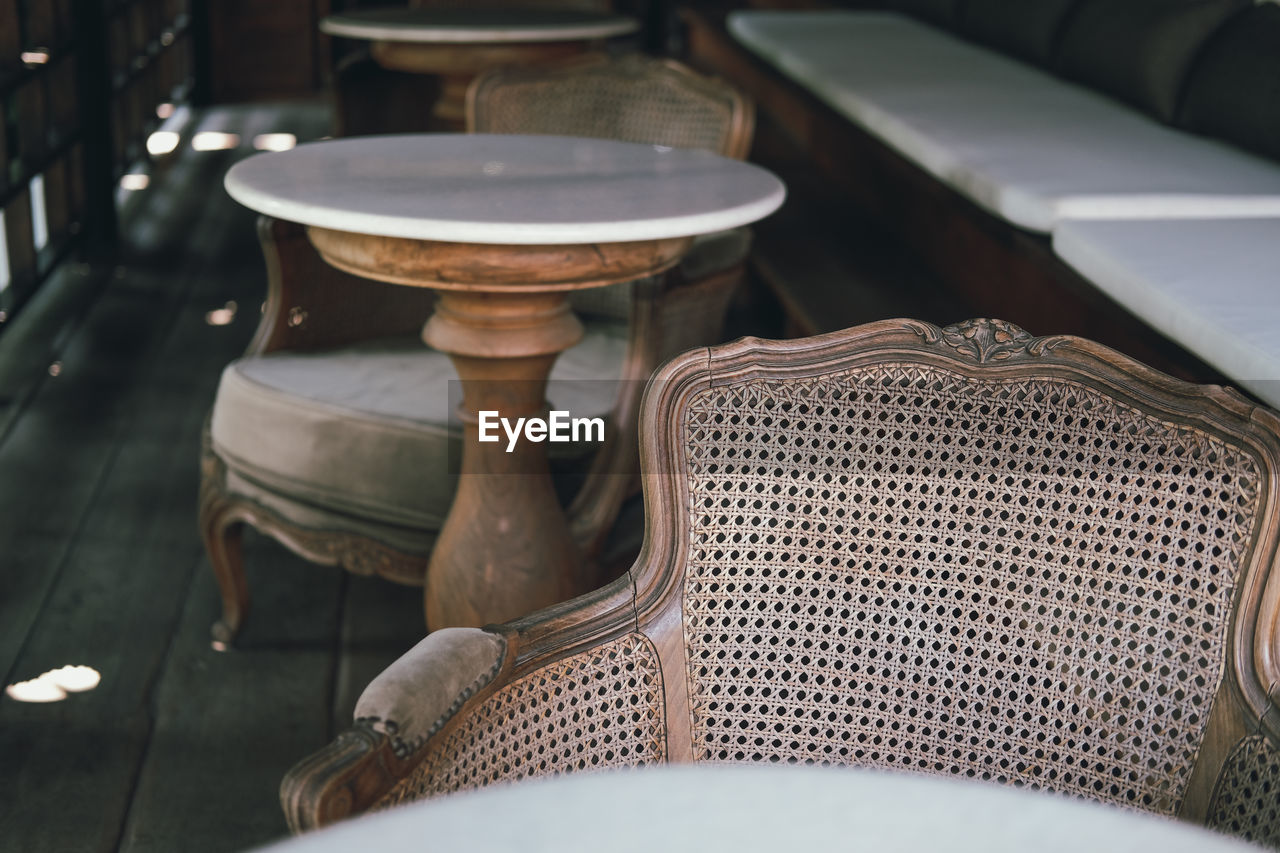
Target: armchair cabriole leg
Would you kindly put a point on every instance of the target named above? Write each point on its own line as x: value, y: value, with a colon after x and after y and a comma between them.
x: 223, y: 533
x: 222, y: 540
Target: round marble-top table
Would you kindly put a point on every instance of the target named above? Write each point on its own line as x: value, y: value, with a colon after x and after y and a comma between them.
x: 458, y: 44
x: 761, y: 809
x: 502, y: 227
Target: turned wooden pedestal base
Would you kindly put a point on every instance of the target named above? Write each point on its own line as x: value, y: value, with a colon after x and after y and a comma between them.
x: 505, y: 548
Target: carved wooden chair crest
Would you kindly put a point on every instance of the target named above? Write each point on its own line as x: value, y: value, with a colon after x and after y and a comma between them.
x: 311, y: 429
x: 961, y: 551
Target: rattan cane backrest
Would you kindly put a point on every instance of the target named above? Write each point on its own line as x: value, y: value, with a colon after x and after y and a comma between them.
x: 962, y: 552
x: 633, y: 98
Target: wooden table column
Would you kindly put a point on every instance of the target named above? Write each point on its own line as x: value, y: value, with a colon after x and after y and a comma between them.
x: 505, y: 548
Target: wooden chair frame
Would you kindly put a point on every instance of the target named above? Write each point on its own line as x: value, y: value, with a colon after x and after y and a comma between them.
x: 369, y: 760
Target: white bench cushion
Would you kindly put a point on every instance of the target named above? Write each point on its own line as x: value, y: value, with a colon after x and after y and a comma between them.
x: 1017, y: 141
x: 366, y: 431
x: 1211, y: 285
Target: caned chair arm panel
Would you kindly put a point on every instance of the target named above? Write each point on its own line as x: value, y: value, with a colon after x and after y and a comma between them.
x: 415, y: 696
x: 397, y: 713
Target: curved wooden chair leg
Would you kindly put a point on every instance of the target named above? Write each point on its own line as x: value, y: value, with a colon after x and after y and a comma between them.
x: 223, y: 541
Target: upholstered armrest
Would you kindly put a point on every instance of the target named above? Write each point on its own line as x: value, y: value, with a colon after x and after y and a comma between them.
x: 311, y: 305
x: 411, y: 699
x: 399, y: 710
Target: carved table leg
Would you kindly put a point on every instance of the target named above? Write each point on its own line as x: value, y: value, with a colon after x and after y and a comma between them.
x: 505, y: 548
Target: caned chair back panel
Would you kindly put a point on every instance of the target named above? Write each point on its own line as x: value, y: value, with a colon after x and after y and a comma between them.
x: 963, y: 552
x: 633, y: 99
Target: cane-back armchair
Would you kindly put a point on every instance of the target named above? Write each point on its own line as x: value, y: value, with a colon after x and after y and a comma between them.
x: 962, y: 551
x: 324, y: 433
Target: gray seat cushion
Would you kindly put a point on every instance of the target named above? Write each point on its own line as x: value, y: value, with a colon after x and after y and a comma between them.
x: 368, y: 431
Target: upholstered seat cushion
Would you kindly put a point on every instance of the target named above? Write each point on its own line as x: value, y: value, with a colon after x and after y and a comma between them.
x: 1211, y: 285
x: 1026, y: 146
x: 369, y: 431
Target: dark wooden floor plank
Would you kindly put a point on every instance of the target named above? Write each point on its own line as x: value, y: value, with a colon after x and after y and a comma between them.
x: 69, y: 767
x: 98, y: 482
x: 229, y: 724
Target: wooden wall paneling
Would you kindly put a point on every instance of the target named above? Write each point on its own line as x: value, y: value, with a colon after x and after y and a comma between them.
x: 265, y: 50
x: 147, y: 95
x: 10, y: 37
x: 22, y: 253
x: 65, y: 21
x: 118, y: 138
x: 109, y: 63
x: 32, y: 122
x: 42, y: 26
x: 139, y: 29
x: 132, y: 98
x: 117, y: 48
x: 56, y: 207
x: 168, y: 79
x: 5, y: 149
x: 75, y: 182
x: 64, y: 99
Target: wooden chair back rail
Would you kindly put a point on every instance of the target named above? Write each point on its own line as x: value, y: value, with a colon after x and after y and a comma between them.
x: 312, y: 305
x: 960, y: 551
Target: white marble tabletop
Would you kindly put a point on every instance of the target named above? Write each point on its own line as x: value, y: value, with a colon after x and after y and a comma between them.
x: 760, y: 808
x: 505, y: 189
x: 477, y: 26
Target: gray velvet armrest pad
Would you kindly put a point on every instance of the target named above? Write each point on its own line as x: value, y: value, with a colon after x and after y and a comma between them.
x: 411, y: 699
